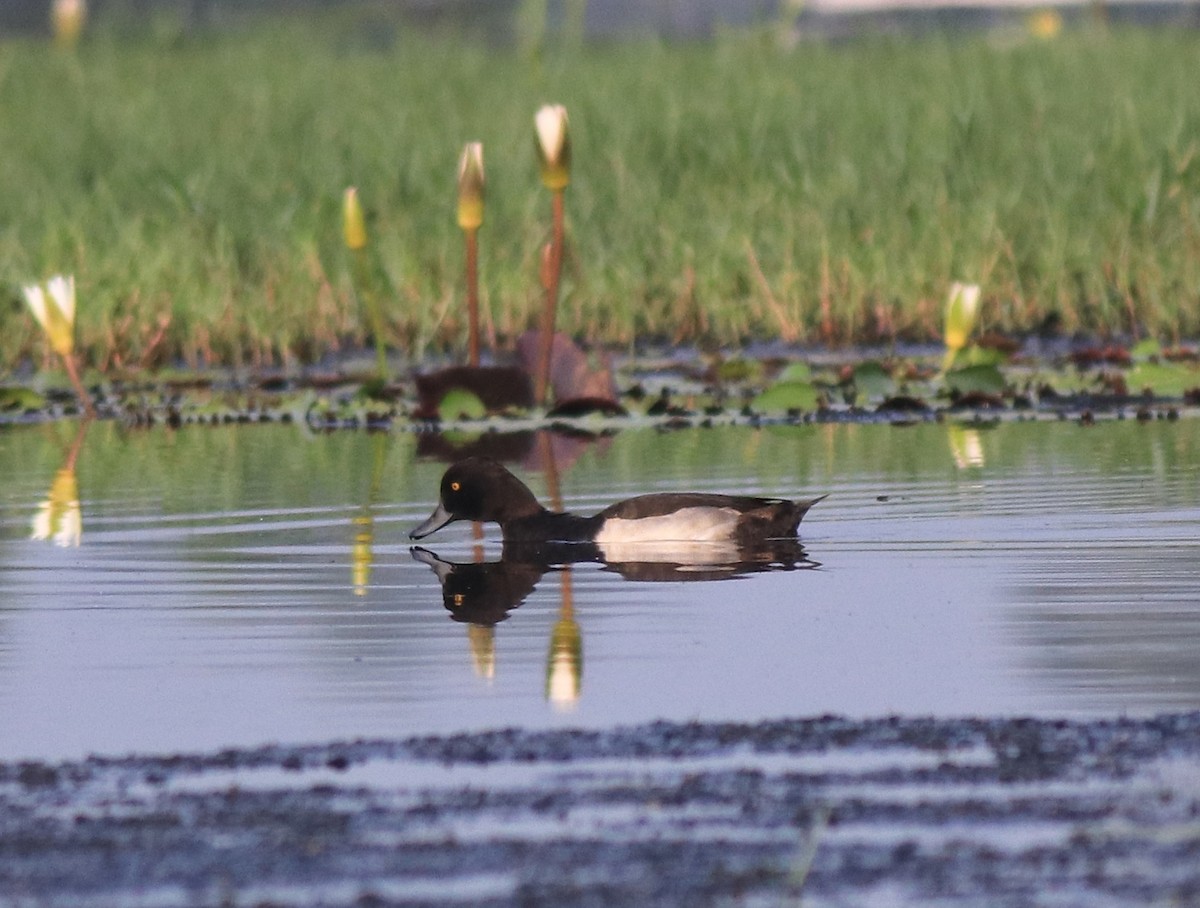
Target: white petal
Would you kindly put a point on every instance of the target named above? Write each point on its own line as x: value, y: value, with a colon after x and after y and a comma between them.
x: 70, y: 530
x: 63, y: 291
x: 41, y: 522
x: 551, y: 122
x: 37, y: 302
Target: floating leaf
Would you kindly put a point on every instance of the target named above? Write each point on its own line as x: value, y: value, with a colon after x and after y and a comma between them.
x: 1146, y: 349
x: 735, y: 370
x: 872, y: 380
x: 795, y: 372
x: 979, y: 379
x: 784, y: 396
x: 1164, y: 379
x: 459, y: 403
x: 20, y: 399
x: 975, y: 355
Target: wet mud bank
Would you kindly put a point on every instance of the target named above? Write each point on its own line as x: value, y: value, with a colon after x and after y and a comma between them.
x: 830, y: 810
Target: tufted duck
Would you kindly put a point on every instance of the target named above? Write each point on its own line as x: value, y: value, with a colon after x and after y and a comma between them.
x: 481, y: 489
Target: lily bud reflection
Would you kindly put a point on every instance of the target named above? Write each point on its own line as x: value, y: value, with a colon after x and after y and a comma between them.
x: 59, y: 517
x: 361, y: 554
x: 482, y: 639
x: 564, y: 669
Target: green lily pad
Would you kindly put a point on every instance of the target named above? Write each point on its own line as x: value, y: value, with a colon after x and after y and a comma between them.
x: 1164, y: 379
x: 737, y: 370
x: 795, y: 372
x: 459, y: 403
x: 784, y: 396
x: 20, y: 399
x: 977, y: 379
x: 872, y: 380
x: 1145, y: 349
x: 981, y: 356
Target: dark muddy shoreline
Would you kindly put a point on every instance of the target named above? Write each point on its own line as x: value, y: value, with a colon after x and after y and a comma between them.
x: 836, y: 811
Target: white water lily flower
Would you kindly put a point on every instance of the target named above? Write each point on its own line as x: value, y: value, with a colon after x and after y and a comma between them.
x: 553, y: 145
x: 54, y: 309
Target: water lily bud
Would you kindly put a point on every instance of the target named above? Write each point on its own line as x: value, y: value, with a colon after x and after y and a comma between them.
x: 54, y: 308
x: 353, y: 224
x: 470, y: 186
x: 66, y: 19
x: 962, y: 308
x: 553, y: 146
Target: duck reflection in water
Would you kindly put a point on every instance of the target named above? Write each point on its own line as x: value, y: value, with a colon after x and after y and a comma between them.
x: 484, y: 592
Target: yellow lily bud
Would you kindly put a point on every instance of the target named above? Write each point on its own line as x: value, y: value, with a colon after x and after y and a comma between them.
x: 553, y: 146
x: 60, y: 517
x: 54, y: 308
x: 471, y: 184
x: 353, y: 224
x: 67, y: 18
x: 962, y: 308
x: 1045, y: 23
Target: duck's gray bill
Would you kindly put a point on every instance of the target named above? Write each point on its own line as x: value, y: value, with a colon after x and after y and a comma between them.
x: 438, y: 519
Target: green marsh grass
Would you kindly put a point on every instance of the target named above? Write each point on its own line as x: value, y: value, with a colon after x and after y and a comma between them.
x: 722, y: 191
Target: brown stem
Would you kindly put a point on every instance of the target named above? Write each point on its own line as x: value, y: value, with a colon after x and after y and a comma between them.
x: 542, y: 379
x: 84, y: 398
x: 472, y: 298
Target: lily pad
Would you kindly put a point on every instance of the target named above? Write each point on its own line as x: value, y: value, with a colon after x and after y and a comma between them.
x: 976, y: 379
x: 784, y: 396
x: 1146, y: 349
x: 795, y: 372
x: 872, y: 380
x: 20, y: 399
x: 459, y: 403
x: 1164, y: 379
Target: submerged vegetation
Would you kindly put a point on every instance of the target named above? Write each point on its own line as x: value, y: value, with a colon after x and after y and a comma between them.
x: 728, y: 190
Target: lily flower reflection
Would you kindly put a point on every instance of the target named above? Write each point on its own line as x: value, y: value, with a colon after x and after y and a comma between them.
x: 966, y: 446
x: 59, y: 517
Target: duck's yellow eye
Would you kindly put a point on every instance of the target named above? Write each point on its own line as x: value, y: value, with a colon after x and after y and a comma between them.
x: 455, y: 486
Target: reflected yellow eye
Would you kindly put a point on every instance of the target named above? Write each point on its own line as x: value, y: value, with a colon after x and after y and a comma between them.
x: 458, y: 600
x: 455, y: 486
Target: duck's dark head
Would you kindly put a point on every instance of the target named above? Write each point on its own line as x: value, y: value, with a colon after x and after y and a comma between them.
x: 478, y: 489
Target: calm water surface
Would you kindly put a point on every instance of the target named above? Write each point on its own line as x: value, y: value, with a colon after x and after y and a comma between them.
x: 242, y: 585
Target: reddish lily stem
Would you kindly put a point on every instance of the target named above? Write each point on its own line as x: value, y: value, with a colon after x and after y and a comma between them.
x: 542, y: 379
x: 84, y: 398
x: 473, y: 297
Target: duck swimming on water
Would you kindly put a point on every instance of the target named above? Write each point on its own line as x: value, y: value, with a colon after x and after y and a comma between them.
x: 479, y: 488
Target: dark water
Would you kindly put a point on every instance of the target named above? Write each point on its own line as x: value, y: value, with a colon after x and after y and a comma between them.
x: 242, y: 585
